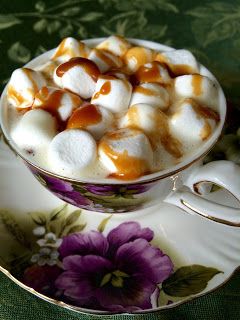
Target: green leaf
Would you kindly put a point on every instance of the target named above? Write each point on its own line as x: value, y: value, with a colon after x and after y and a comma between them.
x: 82, y: 32
x: 121, y: 27
x: 103, y: 223
x: 13, y: 228
x: 58, y: 212
x: 200, y: 12
x: 77, y: 228
x: 221, y: 32
x: 222, y: 6
x: 40, y: 25
x: 91, y: 16
x: 53, y: 27
x: 40, y: 50
x: 166, y: 6
x: 66, y: 31
x: 39, y: 218
x: 188, y: 280
x: 19, y: 53
x: 40, y: 6
x: 73, y: 217
x: 7, y: 21
x: 79, y: 188
x: 71, y: 11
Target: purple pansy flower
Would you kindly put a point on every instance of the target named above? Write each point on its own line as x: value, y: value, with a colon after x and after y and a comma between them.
x: 118, y: 272
x: 65, y: 191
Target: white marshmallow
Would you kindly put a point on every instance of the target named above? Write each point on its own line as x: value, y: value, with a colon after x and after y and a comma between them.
x: 199, y: 87
x: 115, y: 44
x: 105, y: 60
x: 155, y: 124
x: 152, y: 94
x: 179, y: 61
x: 152, y: 72
x: 137, y: 56
x: 71, y: 151
x: 95, y: 119
x: 70, y: 48
x: 56, y: 101
x: 23, y: 85
x: 79, y: 77
x: 126, y: 152
x: 112, y: 93
x: 35, y: 130
x: 192, y: 123
x: 141, y: 116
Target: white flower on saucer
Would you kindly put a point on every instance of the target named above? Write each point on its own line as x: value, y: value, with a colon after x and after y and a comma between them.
x: 45, y: 256
x: 39, y: 231
x: 49, y: 240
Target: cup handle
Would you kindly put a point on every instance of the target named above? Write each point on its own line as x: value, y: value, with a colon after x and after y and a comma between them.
x: 223, y: 173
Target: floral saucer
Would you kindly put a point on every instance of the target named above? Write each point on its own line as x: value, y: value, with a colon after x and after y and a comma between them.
x: 100, y: 263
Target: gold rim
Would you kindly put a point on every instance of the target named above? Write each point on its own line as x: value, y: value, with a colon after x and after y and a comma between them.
x: 208, y: 216
x: 93, y: 312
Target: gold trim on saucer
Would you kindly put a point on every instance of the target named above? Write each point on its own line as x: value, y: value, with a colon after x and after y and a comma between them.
x: 208, y: 216
x: 94, y: 312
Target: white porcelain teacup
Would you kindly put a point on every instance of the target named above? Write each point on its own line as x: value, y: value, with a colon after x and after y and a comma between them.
x: 182, y: 185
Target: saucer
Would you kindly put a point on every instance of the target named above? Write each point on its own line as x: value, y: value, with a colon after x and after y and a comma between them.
x: 98, y: 263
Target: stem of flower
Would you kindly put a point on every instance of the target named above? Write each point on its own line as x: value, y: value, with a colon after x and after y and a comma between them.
x: 232, y: 16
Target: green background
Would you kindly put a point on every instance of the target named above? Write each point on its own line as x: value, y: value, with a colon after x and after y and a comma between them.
x: 210, y: 29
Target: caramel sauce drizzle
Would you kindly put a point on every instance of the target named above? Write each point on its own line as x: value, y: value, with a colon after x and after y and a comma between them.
x: 206, y: 131
x: 89, y: 67
x: 197, y: 84
x: 149, y: 74
x: 160, y: 133
x: 128, y: 167
x: 28, y: 73
x: 82, y: 49
x: 15, y: 95
x: 175, y: 70
x: 84, y: 116
x: 104, y: 90
x: 205, y: 113
x: 145, y: 91
x: 140, y: 55
x: 106, y: 59
x: 49, y: 101
x: 202, y: 112
x: 63, y: 49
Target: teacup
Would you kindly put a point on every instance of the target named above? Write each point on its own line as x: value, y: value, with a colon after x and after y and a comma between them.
x: 182, y: 185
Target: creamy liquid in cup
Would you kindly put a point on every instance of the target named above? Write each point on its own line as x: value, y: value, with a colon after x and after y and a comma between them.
x: 116, y: 111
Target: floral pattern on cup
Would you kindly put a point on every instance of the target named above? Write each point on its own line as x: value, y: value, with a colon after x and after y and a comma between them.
x: 118, y: 270
x: 109, y: 198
